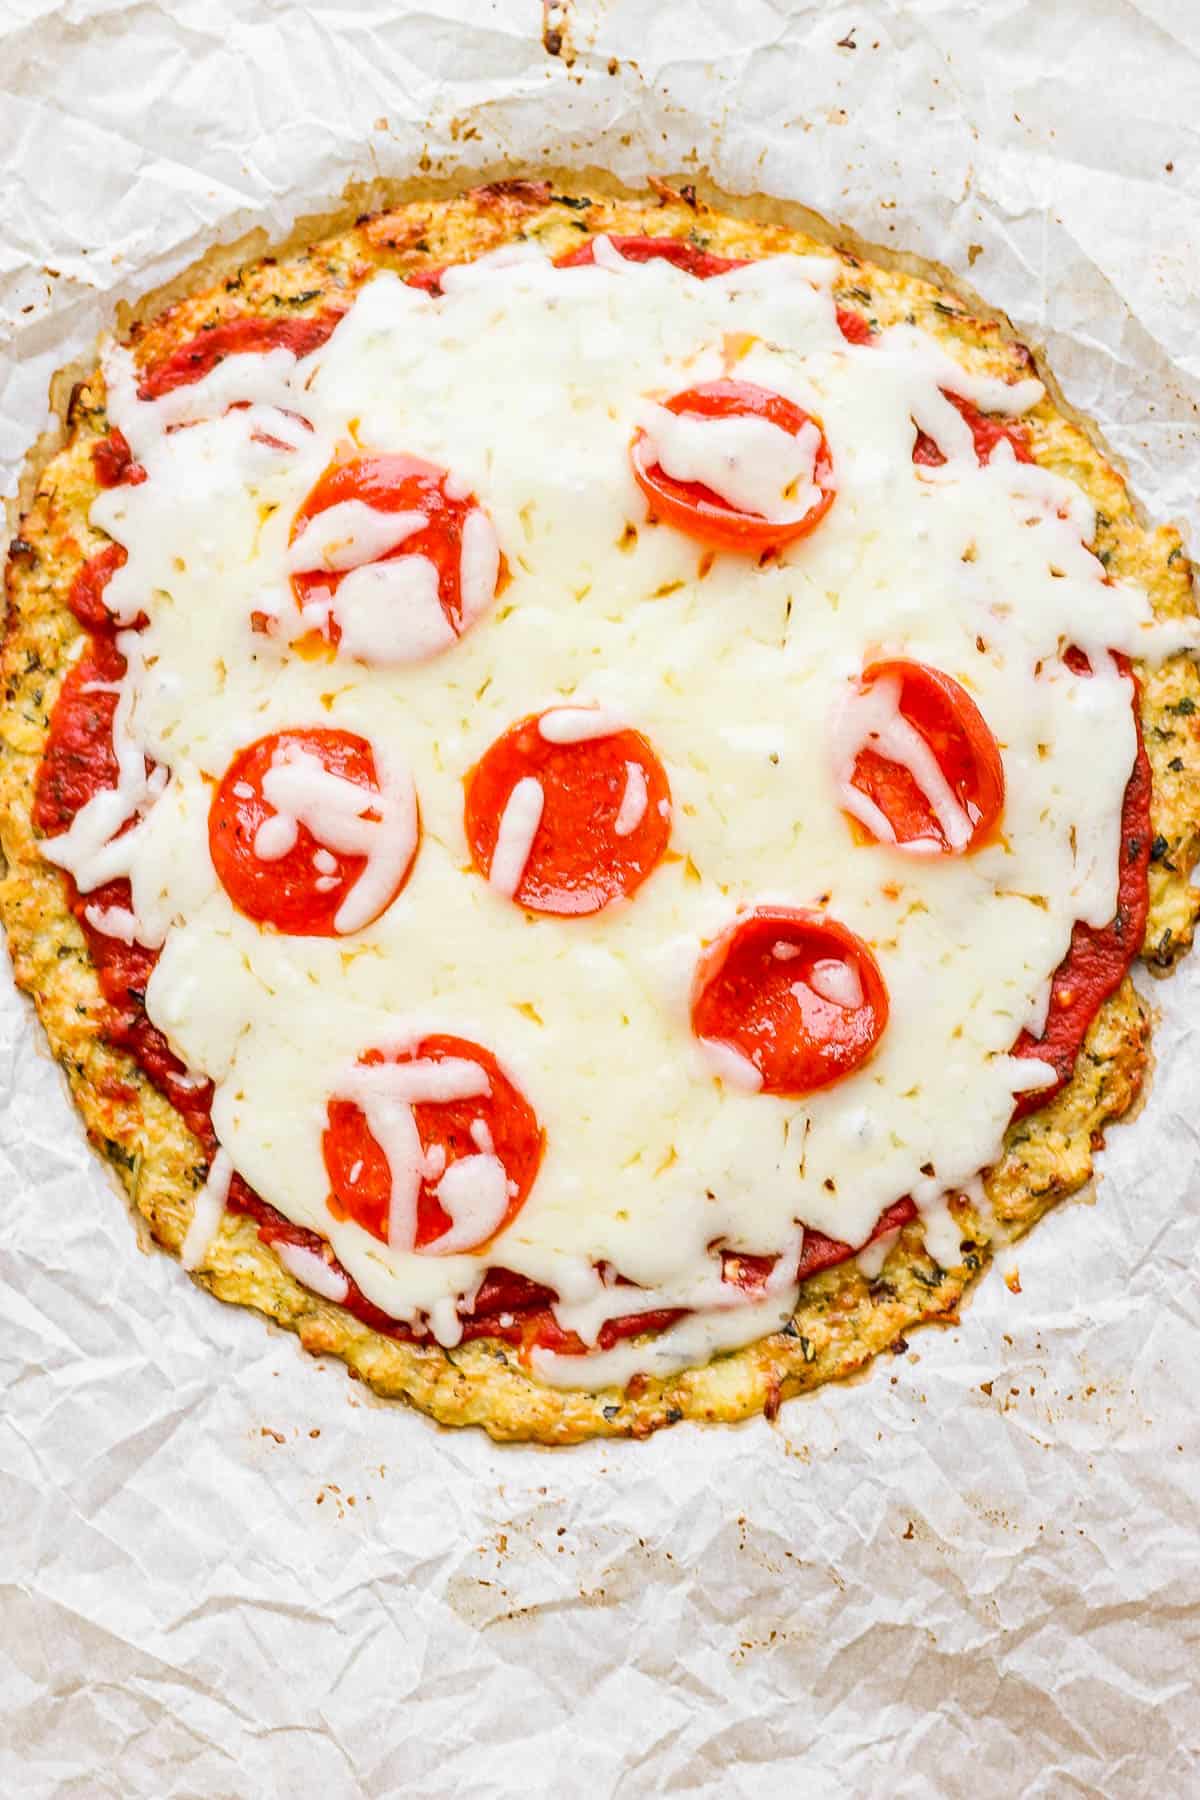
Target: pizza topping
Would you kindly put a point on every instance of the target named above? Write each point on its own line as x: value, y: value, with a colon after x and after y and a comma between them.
x: 548, y: 817
x: 112, y: 459
x: 612, y: 252
x: 313, y: 1272
x: 391, y: 560
x: 634, y: 800
x: 347, y: 534
x: 914, y: 760
x: 196, y: 359
x: 102, y: 839
x: 518, y: 827
x: 986, y: 435
x: 430, y: 1149
x: 208, y: 1211
x: 113, y: 922
x: 293, y: 795
x: 735, y: 466
x: 799, y: 1021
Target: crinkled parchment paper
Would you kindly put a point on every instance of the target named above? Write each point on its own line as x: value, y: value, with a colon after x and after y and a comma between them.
x: 228, y: 1572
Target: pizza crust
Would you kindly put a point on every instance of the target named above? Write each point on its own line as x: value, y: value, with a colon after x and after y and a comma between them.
x: 842, y: 1319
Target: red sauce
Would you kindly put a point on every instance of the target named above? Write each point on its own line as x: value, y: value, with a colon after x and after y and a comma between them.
x: 86, y: 598
x: 200, y: 355
x: 78, y: 762
x: 112, y: 460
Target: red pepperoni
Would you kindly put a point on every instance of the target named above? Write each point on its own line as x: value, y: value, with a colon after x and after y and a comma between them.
x: 949, y: 721
x: 677, y: 251
x: 794, y: 993
x: 986, y: 431
x: 853, y: 327
x: 112, y: 460
x: 198, y: 357
x: 1099, y: 958
x: 578, y: 862
x: 395, y: 483
x: 293, y: 892
x: 501, y: 1121
x: 693, y: 508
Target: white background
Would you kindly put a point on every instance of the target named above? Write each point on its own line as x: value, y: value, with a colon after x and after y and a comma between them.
x: 227, y: 1571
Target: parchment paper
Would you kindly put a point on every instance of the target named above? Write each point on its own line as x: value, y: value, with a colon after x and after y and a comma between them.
x: 226, y: 1570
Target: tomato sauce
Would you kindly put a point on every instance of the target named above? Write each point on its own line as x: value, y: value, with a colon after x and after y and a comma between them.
x: 112, y: 461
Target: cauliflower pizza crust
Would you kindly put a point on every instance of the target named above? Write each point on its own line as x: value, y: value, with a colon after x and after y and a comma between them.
x: 848, y: 1310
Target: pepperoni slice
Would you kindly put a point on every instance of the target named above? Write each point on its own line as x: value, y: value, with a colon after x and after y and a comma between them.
x: 677, y: 251
x: 198, y: 357
x: 305, y: 837
x: 793, y: 997
x: 853, y: 327
x: 986, y: 431
x: 459, y: 1164
x: 568, y: 811
x: 700, y: 511
x: 917, y: 764
x: 389, y: 561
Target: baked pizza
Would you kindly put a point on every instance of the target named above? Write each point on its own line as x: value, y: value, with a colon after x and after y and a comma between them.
x: 582, y: 778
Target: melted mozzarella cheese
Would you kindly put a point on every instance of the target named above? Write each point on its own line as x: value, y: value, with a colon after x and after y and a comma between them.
x: 748, y: 462
x: 634, y: 800
x: 577, y: 724
x: 349, y: 534
x: 390, y: 613
x: 313, y: 1271
x: 528, y: 384
x: 302, y: 791
x: 873, y: 720
x: 518, y: 827
x: 208, y: 1211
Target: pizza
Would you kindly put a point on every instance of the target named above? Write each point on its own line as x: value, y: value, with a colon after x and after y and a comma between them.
x: 582, y: 779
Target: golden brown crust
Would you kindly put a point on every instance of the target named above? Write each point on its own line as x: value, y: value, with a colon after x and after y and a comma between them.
x: 842, y: 1319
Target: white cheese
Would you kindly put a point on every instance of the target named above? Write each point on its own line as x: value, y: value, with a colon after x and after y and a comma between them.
x: 474, y: 1191
x: 348, y: 534
x: 836, y: 981
x: 389, y: 613
x: 387, y: 1093
x: 208, y: 1211
x: 479, y: 565
x: 751, y: 464
x: 114, y: 922
x: 518, y: 827
x: 578, y: 724
x: 634, y: 799
x: 312, y: 1270
x: 301, y: 791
